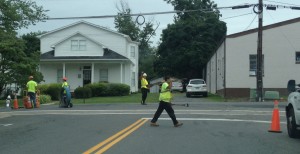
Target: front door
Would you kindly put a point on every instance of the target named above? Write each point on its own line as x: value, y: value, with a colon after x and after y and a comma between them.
x: 86, y: 77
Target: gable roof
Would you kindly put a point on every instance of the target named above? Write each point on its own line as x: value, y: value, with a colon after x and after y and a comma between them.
x: 87, y: 23
x: 108, y: 55
x: 78, y: 33
x: 255, y: 30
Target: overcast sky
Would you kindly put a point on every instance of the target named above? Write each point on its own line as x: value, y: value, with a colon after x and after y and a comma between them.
x: 81, y: 8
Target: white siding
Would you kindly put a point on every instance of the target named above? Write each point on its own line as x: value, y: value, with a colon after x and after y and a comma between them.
x: 279, y: 47
x: 92, y: 49
x: 111, y: 40
x: 96, y: 39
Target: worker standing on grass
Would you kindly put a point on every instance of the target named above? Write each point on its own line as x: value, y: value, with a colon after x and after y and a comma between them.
x: 144, y: 88
x: 165, y: 97
x: 31, y: 87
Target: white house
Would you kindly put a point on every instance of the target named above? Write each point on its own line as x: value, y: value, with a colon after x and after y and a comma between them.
x: 87, y: 53
x: 231, y: 71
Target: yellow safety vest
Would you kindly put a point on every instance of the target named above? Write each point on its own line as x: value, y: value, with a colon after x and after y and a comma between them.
x: 144, y: 83
x: 165, y: 94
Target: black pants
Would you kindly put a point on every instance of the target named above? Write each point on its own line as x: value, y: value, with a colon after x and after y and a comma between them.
x: 144, y: 94
x: 165, y: 106
x: 32, y: 98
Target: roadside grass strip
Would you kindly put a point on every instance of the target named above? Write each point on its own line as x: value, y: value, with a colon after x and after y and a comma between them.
x: 109, y: 142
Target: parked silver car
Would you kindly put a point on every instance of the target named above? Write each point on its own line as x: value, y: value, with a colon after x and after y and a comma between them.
x: 177, y: 86
x: 196, y: 87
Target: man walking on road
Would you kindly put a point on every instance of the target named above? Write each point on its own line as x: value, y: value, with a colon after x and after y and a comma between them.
x: 165, y: 97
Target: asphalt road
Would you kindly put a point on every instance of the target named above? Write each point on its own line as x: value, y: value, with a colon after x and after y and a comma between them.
x: 209, y: 128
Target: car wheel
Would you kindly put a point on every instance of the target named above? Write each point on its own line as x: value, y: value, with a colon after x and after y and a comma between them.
x: 291, y: 124
x: 205, y: 94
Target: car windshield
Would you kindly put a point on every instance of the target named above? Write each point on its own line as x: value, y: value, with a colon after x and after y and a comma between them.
x: 197, y: 82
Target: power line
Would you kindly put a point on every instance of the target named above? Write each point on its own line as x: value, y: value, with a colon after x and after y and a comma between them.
x: 282, y: 3
x: 268, y: 6
x: 235, y: 16
x: 251, y: 22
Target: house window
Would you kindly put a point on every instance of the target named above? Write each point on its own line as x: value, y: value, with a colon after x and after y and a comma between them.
x: 298, y: 57
x: 253, y: 65
x: 133, y: 79
x: 59, y: 75
x: 103, y: 75
x: 132, y: 52
x: 78, y: 45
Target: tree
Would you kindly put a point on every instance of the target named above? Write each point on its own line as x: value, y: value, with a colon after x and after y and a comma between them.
x: 188, y: 44
x: 125, y: 24
x: 17, y: 61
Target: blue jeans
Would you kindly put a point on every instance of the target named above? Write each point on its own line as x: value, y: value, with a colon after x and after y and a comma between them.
x: 32, y: 98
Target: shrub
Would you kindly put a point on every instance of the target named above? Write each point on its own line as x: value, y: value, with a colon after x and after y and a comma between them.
x: 45, y: 99
x: 116, y: 89
x: 83, y: 92
x: 54, y: 91
x: 43, y: 88
x: 98, y: 89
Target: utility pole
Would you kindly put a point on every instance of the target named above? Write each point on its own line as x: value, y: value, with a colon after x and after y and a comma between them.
x: 259, y: 73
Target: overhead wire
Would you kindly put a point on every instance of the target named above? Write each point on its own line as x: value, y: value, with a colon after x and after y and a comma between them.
x: 251, y: 22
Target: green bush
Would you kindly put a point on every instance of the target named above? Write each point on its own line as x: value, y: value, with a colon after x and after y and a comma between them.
x: 45, y: 99
x: 83, y: 92
x: 43, y: 88
x: 54, y: 90
x: 116, y: 89
x: 98, y: 89
x: 109, y: 89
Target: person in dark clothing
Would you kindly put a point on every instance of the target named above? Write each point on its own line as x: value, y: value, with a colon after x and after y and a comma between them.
x: 165, y: 98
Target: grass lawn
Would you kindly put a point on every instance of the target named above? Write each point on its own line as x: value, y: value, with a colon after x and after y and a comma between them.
x: 133, y: 98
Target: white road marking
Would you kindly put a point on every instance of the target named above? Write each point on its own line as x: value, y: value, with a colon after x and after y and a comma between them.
x: 5, y: 125
x: 211, y: 119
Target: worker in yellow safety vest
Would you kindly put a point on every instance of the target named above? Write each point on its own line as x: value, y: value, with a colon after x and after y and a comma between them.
x: 165, y: 98
x: 31, y: 87
x: 144, y: 88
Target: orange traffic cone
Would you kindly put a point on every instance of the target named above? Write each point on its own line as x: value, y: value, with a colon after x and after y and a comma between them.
x: 275, y: 125
x: 16, y: 104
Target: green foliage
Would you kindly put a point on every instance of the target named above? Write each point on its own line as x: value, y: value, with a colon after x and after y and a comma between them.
x: 17, y: 63
x: 16, y: 14
x: 54, y: 90
x: 83, y: 92
x: 43, y: 88
x: 188, y: 44
x: 125, y: 24
x: 98, y: 89
x: 45, y: 99
x: 116, y: 89
x: 108, y: 89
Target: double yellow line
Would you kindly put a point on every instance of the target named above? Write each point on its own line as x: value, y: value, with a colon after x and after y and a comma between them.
x: 109, y: 142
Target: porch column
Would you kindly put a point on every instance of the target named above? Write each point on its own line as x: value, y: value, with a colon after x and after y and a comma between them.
x: 64, y: 69
x: 93, y: 72
x: 121, y: 73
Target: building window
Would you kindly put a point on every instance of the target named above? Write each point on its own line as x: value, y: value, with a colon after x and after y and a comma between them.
x: 253, y: 65
x: 133, y: 79
x: 59, y: 75
x: 103, y: 75
x: 132, y: 52
x: 78, y: 45
x: 298, y: 57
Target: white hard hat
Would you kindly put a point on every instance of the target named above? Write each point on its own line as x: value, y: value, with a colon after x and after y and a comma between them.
x: 144, y: 74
